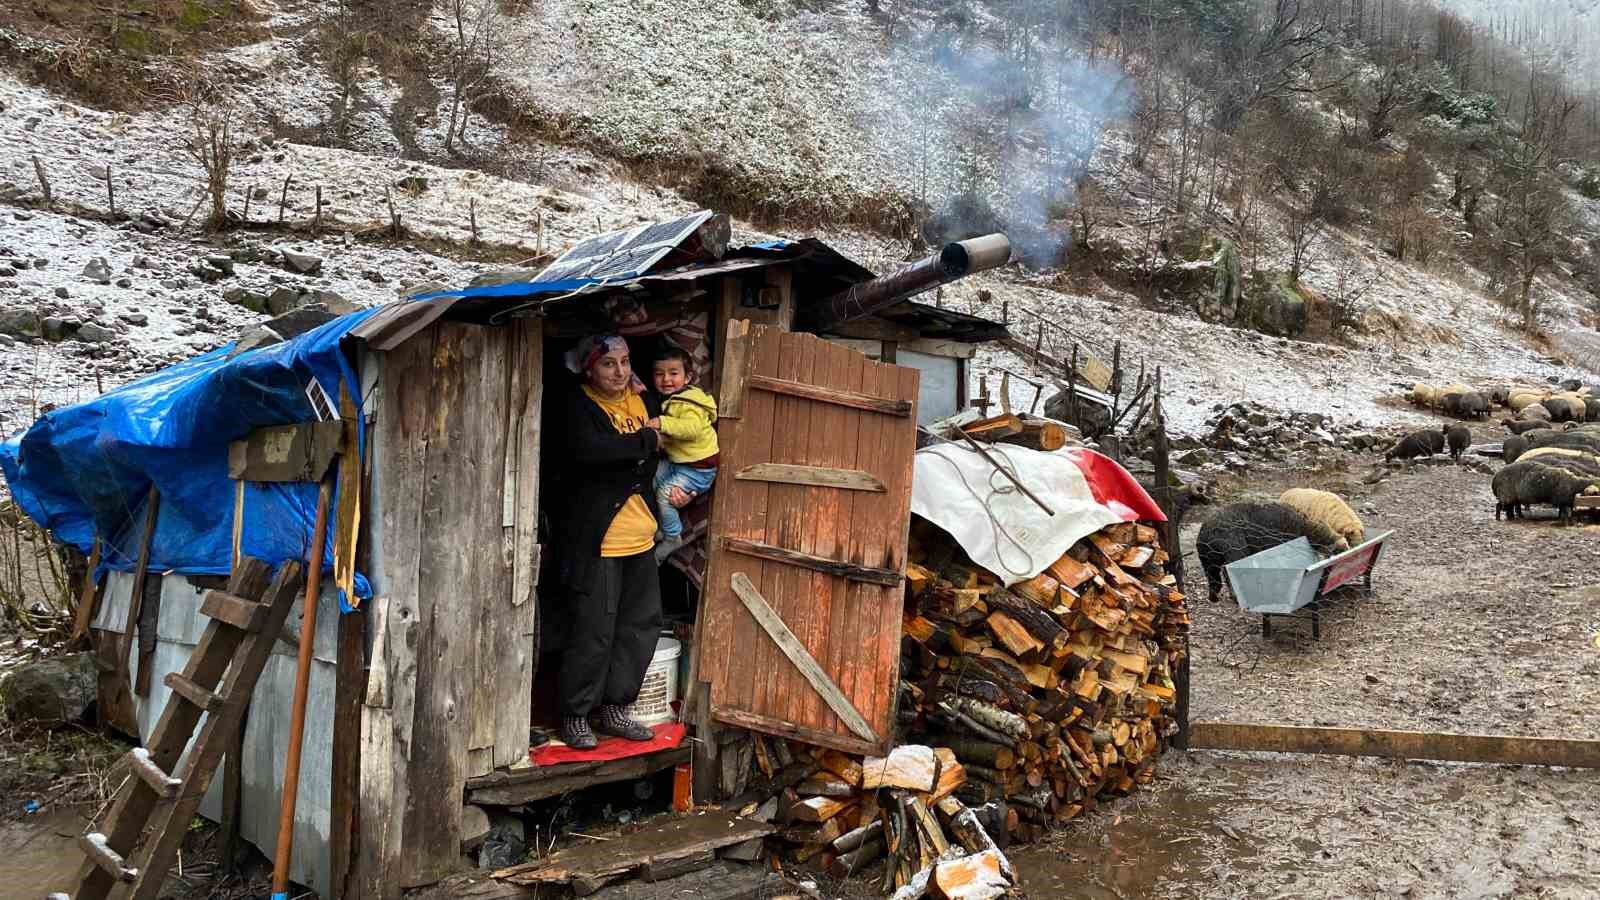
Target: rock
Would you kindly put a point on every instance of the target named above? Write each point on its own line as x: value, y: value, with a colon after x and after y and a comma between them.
x: 505, y: 845
x: 143, y: 262
x: 124, y: 282
x: 255, y: 301
x: 63, y: 293
x: 52, y: 692
x: 1195, y: 457
x: 7, y: 272
x: 7, y: 340
x: 413, y: 183
x: 56, y: 328
x: 135, y: 318
x: 304, y: 263
x: 98, y: 270
x: 285, y: 300
x: 94, y: 333
x: 221, y: 262
x: 19, y: 322
x: 374, y: 276
x: 40, y: 262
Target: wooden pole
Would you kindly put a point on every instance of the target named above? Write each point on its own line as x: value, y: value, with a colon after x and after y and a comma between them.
x: 302, y: 685
x: 316, y: 218
x: 1445, y: 747
x: 44, y: 183
x: 135, y: 600
x: 1072, y: 392
x: 111, y: 193
x: 472, y: 216
x: 1169, y: 540
x: 283, y: 196
x: 1004, y: 471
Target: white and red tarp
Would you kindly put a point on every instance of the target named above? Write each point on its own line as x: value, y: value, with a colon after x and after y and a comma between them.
x: 957, y: 489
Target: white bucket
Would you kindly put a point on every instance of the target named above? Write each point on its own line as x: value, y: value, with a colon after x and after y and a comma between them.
x: 660, y: 687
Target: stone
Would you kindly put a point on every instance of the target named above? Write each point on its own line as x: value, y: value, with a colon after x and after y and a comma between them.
x: 52, y: 692
x: 172, y: 284
x: 304, y: 263
x: 143, y: 262
x: 98, y: 270
x: 56, y: 328
x: 7, y: 340
x: 7, y: 272
x: 285, y: 300
x: 40, y: 262
x: 94, y: 333
x: 255, y: 301
x: 135, y: 318
x: 1195, y: 457
x: 221, y: 262
x: 124, y: 282
x: 18, y: 321
x: 63, y: 293
x: 413, y: 183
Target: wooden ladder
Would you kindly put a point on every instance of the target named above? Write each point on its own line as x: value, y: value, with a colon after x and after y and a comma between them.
x: 245, y: 621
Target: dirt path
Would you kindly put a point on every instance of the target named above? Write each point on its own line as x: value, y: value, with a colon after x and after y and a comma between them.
x: 1474, y: 626
x: 1218, y: 825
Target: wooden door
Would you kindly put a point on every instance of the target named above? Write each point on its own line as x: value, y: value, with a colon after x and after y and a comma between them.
x: 800, y: 619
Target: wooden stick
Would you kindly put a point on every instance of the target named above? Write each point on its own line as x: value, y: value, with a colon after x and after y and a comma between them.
x: 316, y: 218
x: 111, y: 193
x: 135, y: 601
x: 1004, y: 471
x: 302, y: 685
x: 472, y: 216
x: 1478, y: 748
x: 283, y: 196
x: 87, y: 598
x: 44, y: 183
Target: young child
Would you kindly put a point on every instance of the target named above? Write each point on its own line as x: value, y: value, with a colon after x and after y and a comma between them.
x: 688, y: 439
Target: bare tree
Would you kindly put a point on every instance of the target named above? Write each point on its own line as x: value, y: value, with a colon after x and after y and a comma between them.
x: 478, y: 44
x: 343, y: 37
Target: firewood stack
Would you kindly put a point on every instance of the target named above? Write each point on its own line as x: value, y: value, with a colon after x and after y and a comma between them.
x: 895, y: 820
x: 1052, y: 693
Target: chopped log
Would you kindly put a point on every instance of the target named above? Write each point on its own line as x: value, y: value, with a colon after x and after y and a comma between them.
x: 1015, y: 637
x: 1038, y: 434
x: 963, y: 722
x: 983, y: 753
x: 993, y: 718
x: 854, y: 838
x: 848, y: 770
x: 951, y: 774
x: 818, y: 809
x: 912, y: 766
x: 825, y: 788
x: 1070, y: 572
x: 932, y: 835
x: 975, y: 877
x: 847, y: 864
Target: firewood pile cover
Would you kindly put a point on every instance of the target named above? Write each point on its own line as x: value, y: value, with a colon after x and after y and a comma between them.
x: 1021, y: 708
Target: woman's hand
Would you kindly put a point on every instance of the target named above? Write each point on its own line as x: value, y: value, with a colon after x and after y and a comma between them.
x: 679, y: 498
x: 654, y: 424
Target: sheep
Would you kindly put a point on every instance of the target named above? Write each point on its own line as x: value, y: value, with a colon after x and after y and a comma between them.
x: 1496, y: 395
x: 1415, y: 444
x: 1528, y: 482
x: 1561, y: 409
x: 1591, y: 410
x: 1473, y: 405
x: 1513, y: 448
x: 1535, y: 411
x: 1244, y: 529
x: 1459, y: 437
x: 1519, y: 426
x: 1587, y: 442
x: 1451, y: 402
x: 1520, y: 400
x: 1424, y: 395
x: 1328, y: 509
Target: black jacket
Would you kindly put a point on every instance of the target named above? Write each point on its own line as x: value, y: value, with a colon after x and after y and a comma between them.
x: 602, y: 468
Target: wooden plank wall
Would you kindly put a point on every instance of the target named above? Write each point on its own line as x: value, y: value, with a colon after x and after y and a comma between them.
x: 851, y: 628
x: 455, y: 493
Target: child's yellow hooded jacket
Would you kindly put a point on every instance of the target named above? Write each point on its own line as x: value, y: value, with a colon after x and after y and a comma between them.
x: 686, y: 420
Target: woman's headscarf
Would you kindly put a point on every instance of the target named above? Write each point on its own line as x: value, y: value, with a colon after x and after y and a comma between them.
x: 589, y: 350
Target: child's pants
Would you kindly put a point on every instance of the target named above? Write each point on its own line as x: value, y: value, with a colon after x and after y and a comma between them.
x: 681, y: 475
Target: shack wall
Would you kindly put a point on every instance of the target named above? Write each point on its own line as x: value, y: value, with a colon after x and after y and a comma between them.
x: 453, y: 558
x: 266, y: 729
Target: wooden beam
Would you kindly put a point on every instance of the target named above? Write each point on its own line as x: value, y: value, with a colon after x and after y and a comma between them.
x: 140, y: 574
x: 89, y: 598
x: 507, y: 789
x: 1445, y: 747
x: 772, y: 624
x: 852, y: 399
x: 236, y: 611
x: 817, y: 476
x: 735, y: 360
x: 851, y: 571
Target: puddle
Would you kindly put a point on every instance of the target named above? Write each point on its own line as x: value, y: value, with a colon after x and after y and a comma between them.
x: 39, y: 854
x: 1179, y: 841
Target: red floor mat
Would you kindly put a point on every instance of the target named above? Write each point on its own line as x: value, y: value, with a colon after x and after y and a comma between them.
x: 668, y: 735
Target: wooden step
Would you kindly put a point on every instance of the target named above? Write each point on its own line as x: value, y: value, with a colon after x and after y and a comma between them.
x: 193, y: 693
x: 110, y: 862
x: 236, y: 611
x: 165, y: 786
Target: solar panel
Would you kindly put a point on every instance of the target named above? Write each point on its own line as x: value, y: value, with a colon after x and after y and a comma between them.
x: 624, y: 253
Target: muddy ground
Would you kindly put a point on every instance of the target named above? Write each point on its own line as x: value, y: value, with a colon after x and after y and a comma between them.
x: 1474, y: 626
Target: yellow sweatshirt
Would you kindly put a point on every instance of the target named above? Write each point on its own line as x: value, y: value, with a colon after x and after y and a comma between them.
x: 686, y: 420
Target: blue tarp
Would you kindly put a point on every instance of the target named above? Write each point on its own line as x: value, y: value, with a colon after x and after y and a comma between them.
x: 85, y: 471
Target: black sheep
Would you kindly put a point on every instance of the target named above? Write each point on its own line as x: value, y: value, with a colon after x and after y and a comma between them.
x: 1520, y: 426
x: 1459, y: 437
x: 1561, y: 409
x: 1498, y: 395
x: 1513, y: 447
x: 1473, y: 405
x: 1451, y: 403
x: 1415, y: 444
x: 1531, y: 481
x: 1587, y: 441
x: 1239, y: 530
x: 1591, y: 411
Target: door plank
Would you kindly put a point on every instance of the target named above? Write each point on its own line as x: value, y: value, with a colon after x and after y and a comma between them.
x: 814, y: 563
x: 855, y: 399
x: 817, y: 476
x: 796, y: 652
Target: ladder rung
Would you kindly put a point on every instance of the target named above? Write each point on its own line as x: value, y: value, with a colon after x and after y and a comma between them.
x: 165, y: 786
x: 236, y: 611
x: 100, y: 853
x: 193, y: 693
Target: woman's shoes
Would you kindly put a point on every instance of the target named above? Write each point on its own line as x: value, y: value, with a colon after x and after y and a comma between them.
x: 575, y: 733
x: 613, y: 721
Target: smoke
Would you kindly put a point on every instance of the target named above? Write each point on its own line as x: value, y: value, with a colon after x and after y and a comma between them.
x: 1002, y: 137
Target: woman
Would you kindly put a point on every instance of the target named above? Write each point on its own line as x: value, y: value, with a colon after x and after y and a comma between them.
x: 607, y: 528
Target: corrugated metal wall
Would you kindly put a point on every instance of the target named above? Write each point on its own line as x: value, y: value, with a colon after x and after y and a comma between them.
x: 266, y: 733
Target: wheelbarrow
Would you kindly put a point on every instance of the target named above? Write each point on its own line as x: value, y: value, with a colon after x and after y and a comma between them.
x: 1291, y: 576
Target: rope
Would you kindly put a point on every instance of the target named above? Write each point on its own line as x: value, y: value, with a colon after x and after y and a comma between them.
x: 997, y: 530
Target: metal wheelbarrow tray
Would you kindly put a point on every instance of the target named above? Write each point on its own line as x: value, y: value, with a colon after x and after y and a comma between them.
x: 1291, y: 576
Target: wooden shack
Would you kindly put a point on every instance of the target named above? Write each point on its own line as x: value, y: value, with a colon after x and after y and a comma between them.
x: 423, y: 698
